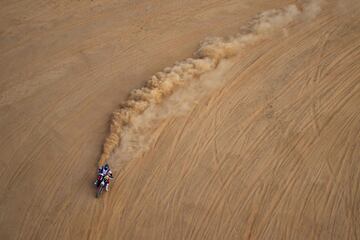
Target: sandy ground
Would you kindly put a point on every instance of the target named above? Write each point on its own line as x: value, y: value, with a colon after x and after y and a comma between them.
x: 272, y: 154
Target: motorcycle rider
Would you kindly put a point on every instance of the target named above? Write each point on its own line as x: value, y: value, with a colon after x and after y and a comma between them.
x: 103, y: 170
x: 107, y: 182
x: 104, y: 173
x: 101, y: 174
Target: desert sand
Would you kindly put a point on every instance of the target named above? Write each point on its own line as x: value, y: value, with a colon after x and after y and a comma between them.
x: 262, y: 144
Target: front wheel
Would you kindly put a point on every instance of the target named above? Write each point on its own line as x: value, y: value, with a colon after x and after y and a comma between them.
x: 99, y: 191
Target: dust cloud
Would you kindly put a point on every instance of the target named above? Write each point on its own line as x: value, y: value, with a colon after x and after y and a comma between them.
x: 176, y: 89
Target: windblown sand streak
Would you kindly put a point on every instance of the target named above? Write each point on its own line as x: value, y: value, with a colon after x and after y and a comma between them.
x: 206, y: 59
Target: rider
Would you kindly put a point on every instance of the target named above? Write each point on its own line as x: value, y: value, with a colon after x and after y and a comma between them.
x: 105, y: 173
x: 103, y: 170
x: 107, y: 178
x: 107, y: 181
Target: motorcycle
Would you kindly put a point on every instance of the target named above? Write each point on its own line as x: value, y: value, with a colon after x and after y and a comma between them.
x: 103, y: 179
x: 100, y: 187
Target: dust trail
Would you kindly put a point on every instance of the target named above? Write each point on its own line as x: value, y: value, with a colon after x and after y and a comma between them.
x: 148, y: 103
x: 138, y: 137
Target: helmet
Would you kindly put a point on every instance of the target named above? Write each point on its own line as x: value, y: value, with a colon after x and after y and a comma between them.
x: 106, y: 166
